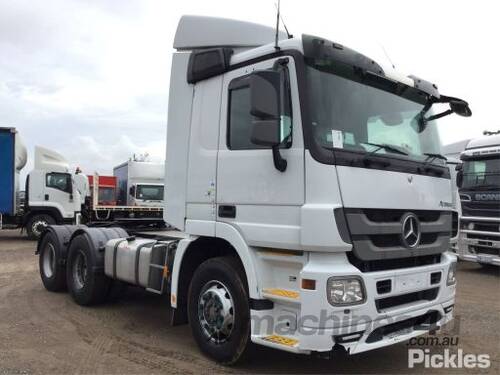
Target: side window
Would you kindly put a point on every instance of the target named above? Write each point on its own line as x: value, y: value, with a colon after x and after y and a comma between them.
x: 240, y: 120
x: 59, y: 181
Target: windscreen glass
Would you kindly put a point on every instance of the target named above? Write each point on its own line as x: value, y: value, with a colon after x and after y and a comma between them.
x: 346, y: 114
x: 482, y: 174
x: 149, y: 192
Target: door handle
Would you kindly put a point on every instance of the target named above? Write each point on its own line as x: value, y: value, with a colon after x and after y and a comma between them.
x: 46, y: 197
x: 227, y: 211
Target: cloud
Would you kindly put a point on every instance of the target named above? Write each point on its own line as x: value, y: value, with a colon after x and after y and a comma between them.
x: 94, y: 75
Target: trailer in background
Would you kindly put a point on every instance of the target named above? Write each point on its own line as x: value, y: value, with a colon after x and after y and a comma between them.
x: 140, y: 183
x: 106, y: 194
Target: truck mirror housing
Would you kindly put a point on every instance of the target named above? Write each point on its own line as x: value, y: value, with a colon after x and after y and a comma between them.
x: 266, y: 133
x: 265, y: 99
x: 265, y: 106
x: 460, y: 107
x: 265, y: 94
x: 459, y: 178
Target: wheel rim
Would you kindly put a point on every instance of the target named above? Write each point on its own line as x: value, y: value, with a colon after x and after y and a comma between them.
x: 38, y: 226
x: 49, y: 260
x: 80, y: 270
x: 216, y: 311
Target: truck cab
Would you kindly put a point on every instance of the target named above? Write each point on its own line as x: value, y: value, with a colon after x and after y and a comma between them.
x: 146, y: 195
x: 479, y: 188
x: 52, y: 196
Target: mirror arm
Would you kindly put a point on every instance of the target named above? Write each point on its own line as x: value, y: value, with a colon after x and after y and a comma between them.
x: 279, y: 163
x: 439, y: 115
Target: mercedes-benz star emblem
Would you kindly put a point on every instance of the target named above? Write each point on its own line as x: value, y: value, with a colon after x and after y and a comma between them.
x: 410, y: 230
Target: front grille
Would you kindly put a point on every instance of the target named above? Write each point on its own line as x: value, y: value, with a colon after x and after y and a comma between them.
x: 424, y: 322
x: 487, y: 227
x: 394, y: 301
x: 484, y: 237
x: 376, y: 234
x: 485, y: 250
x: 480, y: 209
x: 392, y: 264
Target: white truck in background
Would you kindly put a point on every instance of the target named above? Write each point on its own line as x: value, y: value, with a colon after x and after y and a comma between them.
x: 55, y: 195
x: 140, y: 183
x: 478, y: 180
x: 313, y: 210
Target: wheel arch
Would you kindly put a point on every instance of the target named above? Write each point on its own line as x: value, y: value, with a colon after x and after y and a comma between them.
x: 97, y: 239
x: 51, y: 211
x: 192, y: 252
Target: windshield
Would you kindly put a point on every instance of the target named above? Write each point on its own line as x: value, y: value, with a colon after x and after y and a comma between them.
x: 106, y: 194
x: 349, y: 115
x: 482, y: 174
x: 150, y: 192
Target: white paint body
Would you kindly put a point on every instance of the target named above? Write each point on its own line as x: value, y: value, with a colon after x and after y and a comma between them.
x: 284, y: 229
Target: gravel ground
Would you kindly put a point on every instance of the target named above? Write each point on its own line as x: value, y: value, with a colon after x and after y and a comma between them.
x: 43, y: 332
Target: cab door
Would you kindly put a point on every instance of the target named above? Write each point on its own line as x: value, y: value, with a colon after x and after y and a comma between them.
x: 260, y: 201
x: 59, y: 193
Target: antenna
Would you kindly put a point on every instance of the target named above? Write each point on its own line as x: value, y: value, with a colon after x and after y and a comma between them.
x: 387, y: 55
x: 290, y: 36
x: 277, y: 27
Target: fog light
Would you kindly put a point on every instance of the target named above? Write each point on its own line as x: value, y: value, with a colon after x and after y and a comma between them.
x: 452, y: 274
x: 341, y: 291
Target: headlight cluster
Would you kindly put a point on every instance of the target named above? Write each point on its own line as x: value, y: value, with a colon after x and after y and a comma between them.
x: 343, y: 291
x: 452, y: 274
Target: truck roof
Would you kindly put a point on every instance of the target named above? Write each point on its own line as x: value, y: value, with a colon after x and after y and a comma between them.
x: 194, y: 32
x: 249, y: 41
x: 486, y: 141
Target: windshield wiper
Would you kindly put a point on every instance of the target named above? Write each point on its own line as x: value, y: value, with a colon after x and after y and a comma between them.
x: 384, y: 146
x: 432, y: 156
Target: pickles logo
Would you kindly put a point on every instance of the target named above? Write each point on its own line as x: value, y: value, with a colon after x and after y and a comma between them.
x: 447, y: 359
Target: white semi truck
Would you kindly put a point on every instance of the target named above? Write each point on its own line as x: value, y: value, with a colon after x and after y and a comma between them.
x: 312, y: 207
x: 55, y: 195
x: 478, y: 179
x: 140, y: 183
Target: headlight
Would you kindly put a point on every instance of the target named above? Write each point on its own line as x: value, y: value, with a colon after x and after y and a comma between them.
x: 452, y: 274
x: 342, y: 291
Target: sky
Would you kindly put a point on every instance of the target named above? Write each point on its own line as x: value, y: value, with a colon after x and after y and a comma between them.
x: 90, y: 79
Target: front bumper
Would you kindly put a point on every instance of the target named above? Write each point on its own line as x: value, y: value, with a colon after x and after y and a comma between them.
x: 367, y: 326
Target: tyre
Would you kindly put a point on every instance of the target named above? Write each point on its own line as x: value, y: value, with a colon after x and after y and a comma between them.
x: 37, y: 223
x: 52, y: 272
x: 85, y: 285
x: 218, y: 309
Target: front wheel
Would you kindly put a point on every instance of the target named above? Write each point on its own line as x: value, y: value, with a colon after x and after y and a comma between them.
x: 37, y: 223
x: 218, y: 309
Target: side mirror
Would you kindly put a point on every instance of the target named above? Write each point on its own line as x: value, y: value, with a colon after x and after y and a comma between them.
x: 131, y: 191
x: 459, y: 178
x: 265, y: 100
x: 460, y: 107
x: 265, y: 94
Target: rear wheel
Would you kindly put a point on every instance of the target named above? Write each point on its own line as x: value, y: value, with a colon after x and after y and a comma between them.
x: 219, y: 314
x: 86, y: 285
x: 52, y: 272
x: 37, y: 223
